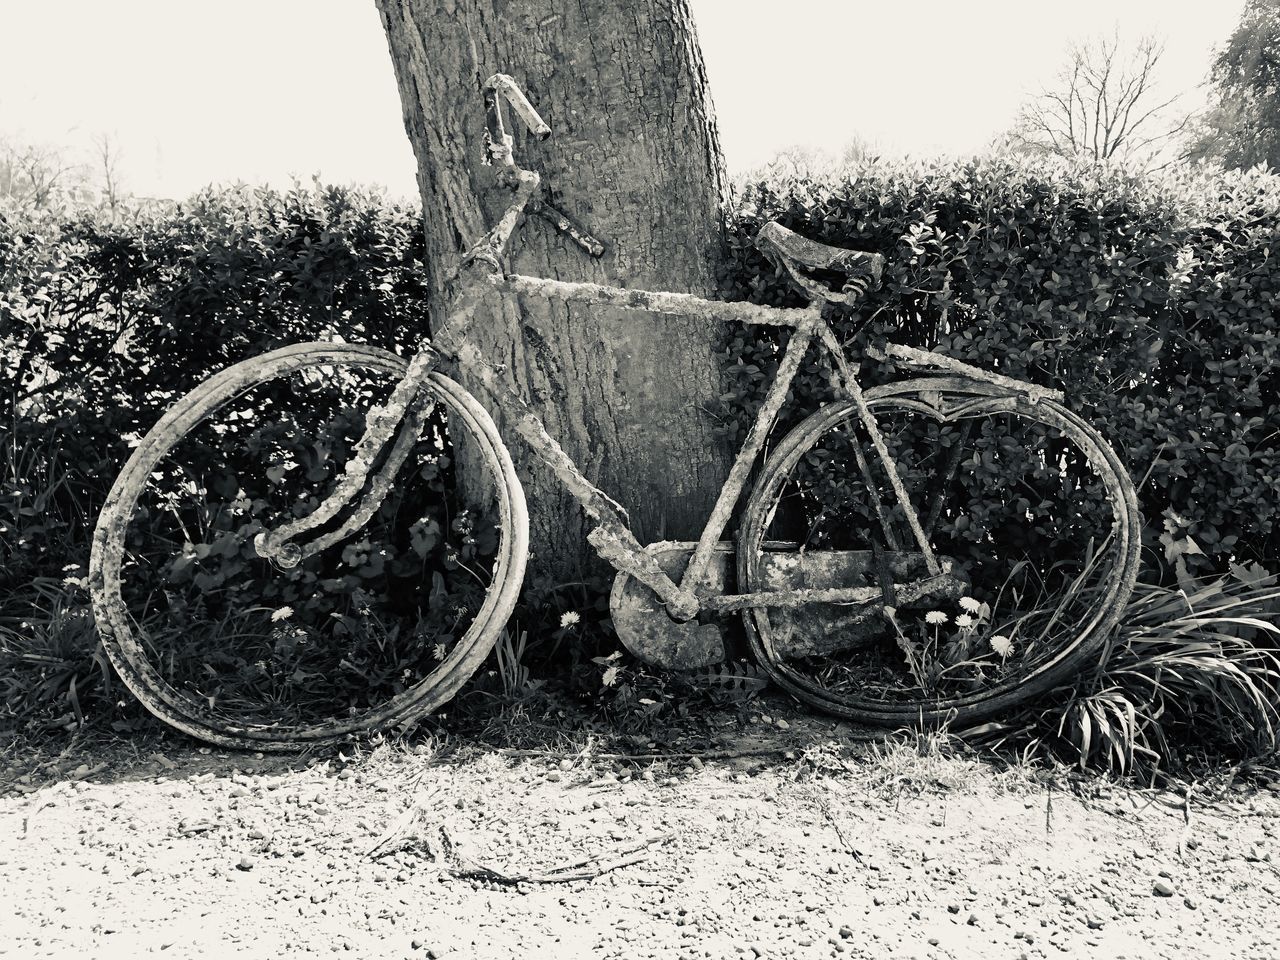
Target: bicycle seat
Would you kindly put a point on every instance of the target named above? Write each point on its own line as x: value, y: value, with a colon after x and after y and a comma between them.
x: 774, y: 238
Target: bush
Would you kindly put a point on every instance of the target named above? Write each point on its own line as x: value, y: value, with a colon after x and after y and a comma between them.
x: 103, y: 324
x: 1148, y: 302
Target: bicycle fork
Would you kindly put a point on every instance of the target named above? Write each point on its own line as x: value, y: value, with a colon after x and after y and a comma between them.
x: 408, y: 406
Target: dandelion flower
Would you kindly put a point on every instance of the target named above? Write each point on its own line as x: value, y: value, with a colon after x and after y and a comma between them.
x: 1002, y: 644
x: 935, y: 616
x: 570, y: 619
x: 964, y: 620
x: 970, y: 605
x: 284, y: 613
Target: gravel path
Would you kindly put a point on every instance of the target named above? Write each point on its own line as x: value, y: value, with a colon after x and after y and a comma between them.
x: 190, y: 853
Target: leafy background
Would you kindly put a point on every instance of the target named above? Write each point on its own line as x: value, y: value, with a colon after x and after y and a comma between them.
x: 1147, y: 300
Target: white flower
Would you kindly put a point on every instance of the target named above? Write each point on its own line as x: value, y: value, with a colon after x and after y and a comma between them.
x: 570, y: 619
x: 964, y: 621
x: 935, y: 616
x: 1002, y: 644
x: 969, y: 604
x: 284, y: 613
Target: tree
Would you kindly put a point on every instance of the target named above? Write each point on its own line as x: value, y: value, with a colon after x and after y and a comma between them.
x: 635, y: 156
x: 1243, y: 127
x: 1103, y: 106
x: 107, y: 155
x: 32, y: 175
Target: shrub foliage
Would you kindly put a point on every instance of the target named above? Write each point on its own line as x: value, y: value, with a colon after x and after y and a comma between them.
x: 1149, y: 302
x: 103, y: 324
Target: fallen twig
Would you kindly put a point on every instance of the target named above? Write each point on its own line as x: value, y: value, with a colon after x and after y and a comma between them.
x: 587, y: 868
x: 1186, y: 825
x: 825, y: 807
x: 402, y: 825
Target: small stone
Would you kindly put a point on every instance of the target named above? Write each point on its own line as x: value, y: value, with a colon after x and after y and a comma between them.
x: 554, y: 776
x: 695, y: 762
x: 246, y: 863
x: 846, y: 932
x: 1188, y: 903
x: 1162, y: 888
x: 346, y: 774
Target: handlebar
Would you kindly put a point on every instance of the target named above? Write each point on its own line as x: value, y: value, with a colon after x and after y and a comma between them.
x: 500, y: 87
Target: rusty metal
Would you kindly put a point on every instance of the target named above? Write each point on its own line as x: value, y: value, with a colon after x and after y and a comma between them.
x: 895, y: 481
x: 915, y: 357
x: 766, y: 416
x: 568, y: 226
x: 650, y: 301
x: 646, y: 629
x: 946, y: 398
x: 129, y: 652
x: 669, y: 599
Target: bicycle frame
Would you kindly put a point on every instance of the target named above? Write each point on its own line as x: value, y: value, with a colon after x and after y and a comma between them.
x: 481, y: 276
x: 612, y: 538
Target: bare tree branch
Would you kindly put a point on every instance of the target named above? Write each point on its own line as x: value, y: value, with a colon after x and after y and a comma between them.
x: 1103, y: 106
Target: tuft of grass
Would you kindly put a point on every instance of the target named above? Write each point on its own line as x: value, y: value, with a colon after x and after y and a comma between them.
x: 1192, y: 670
x: 52, y: 664
x: 919, y: 761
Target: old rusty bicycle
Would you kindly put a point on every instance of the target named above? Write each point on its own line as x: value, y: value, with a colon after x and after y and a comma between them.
x: 940, y: 547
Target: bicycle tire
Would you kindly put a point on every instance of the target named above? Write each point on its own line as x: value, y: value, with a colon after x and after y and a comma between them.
x: 317, y: 363
x: 1103, y: 610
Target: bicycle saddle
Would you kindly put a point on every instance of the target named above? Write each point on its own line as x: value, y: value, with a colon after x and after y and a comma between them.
x: 796, y: 251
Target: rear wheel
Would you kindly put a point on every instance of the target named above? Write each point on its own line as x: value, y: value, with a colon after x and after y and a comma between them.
x: 371, y: 632
x: 1024, y: 503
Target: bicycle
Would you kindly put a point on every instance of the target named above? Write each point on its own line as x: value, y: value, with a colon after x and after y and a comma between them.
x: 327, y: 542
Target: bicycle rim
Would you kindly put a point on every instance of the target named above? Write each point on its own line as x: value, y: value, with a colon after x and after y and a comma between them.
x: 1029, y: 507
x: 375, y: 631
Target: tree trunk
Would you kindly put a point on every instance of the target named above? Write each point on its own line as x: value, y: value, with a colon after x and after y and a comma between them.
x: 635, y: 158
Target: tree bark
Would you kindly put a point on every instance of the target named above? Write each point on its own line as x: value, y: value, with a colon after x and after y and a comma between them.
x: 635, y: 158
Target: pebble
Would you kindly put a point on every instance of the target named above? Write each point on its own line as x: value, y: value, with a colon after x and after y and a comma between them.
x: 1162, y: 888
x: 246, y: 863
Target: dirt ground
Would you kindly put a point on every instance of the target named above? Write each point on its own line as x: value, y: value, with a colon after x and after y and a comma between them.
x: 803, y: 844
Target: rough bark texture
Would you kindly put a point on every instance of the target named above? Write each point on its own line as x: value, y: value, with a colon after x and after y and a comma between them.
x: 634, y: 157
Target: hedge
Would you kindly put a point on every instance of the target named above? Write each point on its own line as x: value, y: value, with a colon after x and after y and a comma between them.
x: 1149, y: 302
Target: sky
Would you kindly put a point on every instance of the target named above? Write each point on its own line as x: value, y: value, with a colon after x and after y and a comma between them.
x: 267, y: 90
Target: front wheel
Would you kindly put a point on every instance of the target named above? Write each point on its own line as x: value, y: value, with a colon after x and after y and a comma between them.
x: 1032, y: 519
x: 374, y: 631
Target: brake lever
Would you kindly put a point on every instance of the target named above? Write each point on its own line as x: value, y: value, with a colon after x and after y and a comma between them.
x: 568, y: 226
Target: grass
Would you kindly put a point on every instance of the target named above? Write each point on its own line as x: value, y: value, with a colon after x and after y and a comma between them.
x: 51, y: 663
x: 1192, y: 675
